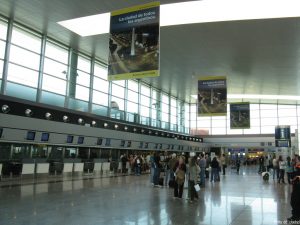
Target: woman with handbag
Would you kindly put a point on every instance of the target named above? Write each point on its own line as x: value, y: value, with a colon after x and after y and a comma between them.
x: 193, y: 170
x: 179, y: 171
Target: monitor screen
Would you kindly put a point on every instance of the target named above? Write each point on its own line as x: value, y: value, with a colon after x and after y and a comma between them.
x: 107, y: 142
x: 45, y: 137
x: 156, y: 145
x: 30, y: 135
x: 1, y: 132
x: 160, y: 146
x: 129, y: 144
x: 141, y: 145
x: 122, y: 143
x: 146, y: 145
x: 70, y: 139
x: 80, y: 140
x: 99, y: 141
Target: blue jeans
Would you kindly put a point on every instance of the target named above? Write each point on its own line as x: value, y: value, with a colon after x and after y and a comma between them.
x: 214, y: 174
x: 275, y: 172
x: 152, y: 175
x: 202, y: 176
x: 138, y: 170
x: 167, y: 177
x: 156, y: 176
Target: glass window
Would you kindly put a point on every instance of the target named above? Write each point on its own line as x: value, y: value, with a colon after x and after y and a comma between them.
x: 21, y: 75
x: 219, y: 121
x: 100, y: 71
x: 132, y: 107
x: 287, y: 111
x: 145, y: 90
x: 100, y: 85
x: 268, y: 110
x: 173, y: 102
x: 173, y: 111
x: 26, y: 40
x: 154, y: 94
x: 2, y: 49
x: 254, y: 122
x: 84, y: 64
x: 119, y: 82
x: 204, y: 121
x: 53, y: 51
x: 117, y: 91
x: 268, y: 130
x: 55, y: 68
x: 1, y: 69
x: 145, y: 101
x: 165, y: 99
x: 287, y: 121
x: 252, y: 130
x: 54, y: 84
x: 269, y: 121
x: 100, y: 98
x: 24, y: 57
x: 82, y: 93
x: 145, y: 111
x: 3, y: 30
x: 133, y: 96
x: 83, y: 78
x: 165, y: 117
x: 218, y: 131
x: 164, y: 108
x: 173, y: 119
x: 133, y: 85
x: 117, y: 103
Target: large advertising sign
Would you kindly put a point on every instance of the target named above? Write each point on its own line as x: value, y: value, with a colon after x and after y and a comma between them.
x: 134, y: 42
x: 212, y: 96
x: 283, y: 136
x: 240, y: 115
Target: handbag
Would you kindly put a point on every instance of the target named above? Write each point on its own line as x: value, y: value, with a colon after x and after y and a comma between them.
x: 180, y: 176
x: 197, y: 187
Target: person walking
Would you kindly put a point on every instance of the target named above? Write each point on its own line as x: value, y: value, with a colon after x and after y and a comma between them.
x: 202, y: 165
x: 282, y: 167
x: 224, y: 164
x: 179, y: 171
x: 156, y: 165
x: 172, y: 164
x: 214, y: 170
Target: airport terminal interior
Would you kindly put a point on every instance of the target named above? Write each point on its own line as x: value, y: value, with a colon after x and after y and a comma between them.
x: 81, y: 146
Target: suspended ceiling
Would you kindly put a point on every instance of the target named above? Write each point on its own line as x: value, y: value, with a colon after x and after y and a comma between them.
x: 257, y: 56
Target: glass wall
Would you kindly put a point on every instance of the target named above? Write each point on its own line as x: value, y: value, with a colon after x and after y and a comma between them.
x: 37, y: 68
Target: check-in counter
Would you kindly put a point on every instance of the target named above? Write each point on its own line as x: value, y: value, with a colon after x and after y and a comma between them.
x: 56, y: 168
x: 88, y: 167
x: 11, y: 168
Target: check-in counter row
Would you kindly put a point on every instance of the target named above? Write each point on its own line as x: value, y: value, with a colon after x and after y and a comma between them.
x: 16, y: 168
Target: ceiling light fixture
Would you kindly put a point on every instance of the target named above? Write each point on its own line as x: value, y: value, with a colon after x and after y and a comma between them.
x: 28, y: 112
x: 5, y: 109
x: 48, y: 116
x: 190, y: 12
x: 65, y: 118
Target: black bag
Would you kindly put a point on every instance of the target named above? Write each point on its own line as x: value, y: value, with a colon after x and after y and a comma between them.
x: 161, y: 181
x: 171, y: 183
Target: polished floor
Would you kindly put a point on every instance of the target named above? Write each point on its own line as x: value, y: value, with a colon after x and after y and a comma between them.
x: 237, y: 199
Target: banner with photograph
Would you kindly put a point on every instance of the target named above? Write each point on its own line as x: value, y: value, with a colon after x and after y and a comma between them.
x: 212, y: 96
x: 240, y: 115
x: 134, y: 42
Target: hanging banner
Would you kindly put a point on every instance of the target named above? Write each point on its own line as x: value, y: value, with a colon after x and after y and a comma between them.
x: 134, y: 42
x: 212, y: 96
x: 240, y: 115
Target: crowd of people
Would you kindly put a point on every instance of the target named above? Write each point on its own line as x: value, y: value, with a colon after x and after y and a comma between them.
x: 190, y: 170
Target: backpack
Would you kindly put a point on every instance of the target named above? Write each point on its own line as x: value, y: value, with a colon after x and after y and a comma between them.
x: 180, y: 176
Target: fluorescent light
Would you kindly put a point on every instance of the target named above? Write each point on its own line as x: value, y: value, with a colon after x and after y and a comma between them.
x: 88, y: 25
x: 268, y: 97
x: 196, y: 12
x: 194, y: 97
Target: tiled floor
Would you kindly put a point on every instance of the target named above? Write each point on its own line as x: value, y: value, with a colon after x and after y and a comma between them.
x: 237, y: 199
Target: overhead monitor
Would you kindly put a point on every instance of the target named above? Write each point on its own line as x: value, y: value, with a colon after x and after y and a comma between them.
x: 30, y: 135
x: 70, y: 138
x: 80, y: 140
x: 99, y: 141
x: 122, y: 143
x: 1, y: 132
x: 45, y: 137
x: 129, y: 144
x: 107, y: 142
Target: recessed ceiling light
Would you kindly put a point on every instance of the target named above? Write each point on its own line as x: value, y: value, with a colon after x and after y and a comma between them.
x: 190, y: 12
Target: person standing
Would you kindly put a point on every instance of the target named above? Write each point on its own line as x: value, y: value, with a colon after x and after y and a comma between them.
x: 224, y: 163
x: 172, y: 164
x: 192, y: 178
x: 275, y: 168
x: 167, y: 170
x: 238, y: 164
x: 179, y: 171
x: 202, y: 165
x: 261, y: 164
x: 289, y: 169
x: 214, y: 169
x: 124, y: 162
x: 282, y: 167
x: 156, y: 164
